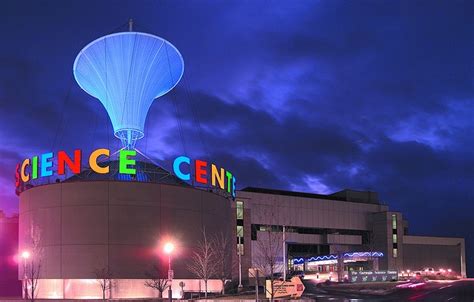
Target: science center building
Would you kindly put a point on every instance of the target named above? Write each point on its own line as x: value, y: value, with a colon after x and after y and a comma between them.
x: 115, y: 214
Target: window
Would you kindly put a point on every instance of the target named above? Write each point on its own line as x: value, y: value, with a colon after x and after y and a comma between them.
x: 253, y: 233
x: 394, y: 238
x: 240, y: 209
x: 240, y: 231
x: 394, y: 221
x: 240, y: 226
x: 395, y: 253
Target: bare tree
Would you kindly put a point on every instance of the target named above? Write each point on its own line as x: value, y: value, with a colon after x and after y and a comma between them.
x: 221, y: 247
x: 32, y: 268
x: 157, y: 279
x: 269, y: 249
x: 104, y: 278
x: 202, y: 264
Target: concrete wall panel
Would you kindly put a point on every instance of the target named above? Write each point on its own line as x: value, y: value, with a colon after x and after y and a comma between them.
x: 79, y: 261
x: 83, y: 224
x: 88, y: 225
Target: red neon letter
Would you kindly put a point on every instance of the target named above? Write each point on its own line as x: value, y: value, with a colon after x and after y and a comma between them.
x: 17, y: 176
x: 74, y: 166
x: 200, y: 171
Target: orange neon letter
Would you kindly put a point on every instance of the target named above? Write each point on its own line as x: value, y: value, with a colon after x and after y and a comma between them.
x: 25, y: 177
x: 93, y: 161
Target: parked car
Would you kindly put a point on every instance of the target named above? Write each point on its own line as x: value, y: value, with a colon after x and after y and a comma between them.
x: 278, y: 276
x: 296, y: 274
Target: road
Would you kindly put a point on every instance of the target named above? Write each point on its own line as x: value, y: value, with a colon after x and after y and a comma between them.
x: 457, y: 291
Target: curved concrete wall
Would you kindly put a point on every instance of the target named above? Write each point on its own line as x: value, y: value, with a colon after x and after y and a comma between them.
x: 88, y: 225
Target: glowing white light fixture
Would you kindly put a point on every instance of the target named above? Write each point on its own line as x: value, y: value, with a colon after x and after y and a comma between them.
x: 25, y: 255
x: 168, y: 248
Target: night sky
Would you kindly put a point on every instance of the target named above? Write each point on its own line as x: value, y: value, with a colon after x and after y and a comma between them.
x: 312, y: 96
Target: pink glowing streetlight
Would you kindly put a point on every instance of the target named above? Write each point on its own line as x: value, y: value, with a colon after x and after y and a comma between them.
x: 168, y: 249
x: 25, y: 255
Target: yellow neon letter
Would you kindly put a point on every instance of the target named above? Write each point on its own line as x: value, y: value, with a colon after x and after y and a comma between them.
x: 93, y: 161
x: 217, y: 175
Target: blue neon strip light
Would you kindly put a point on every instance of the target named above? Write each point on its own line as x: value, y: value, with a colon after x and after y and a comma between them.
x: 334, y: 257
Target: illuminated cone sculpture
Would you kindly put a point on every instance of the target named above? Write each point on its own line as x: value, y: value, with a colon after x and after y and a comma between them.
x: 126, y: 71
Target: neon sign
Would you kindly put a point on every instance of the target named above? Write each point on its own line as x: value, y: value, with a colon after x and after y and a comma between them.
x: 205, y: 173
x: 42, y: 165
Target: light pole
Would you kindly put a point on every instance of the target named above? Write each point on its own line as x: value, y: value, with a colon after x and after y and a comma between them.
x: 239, y: 253
x: 284, y: 254
x: 169, y: 247
x: 25, y: 255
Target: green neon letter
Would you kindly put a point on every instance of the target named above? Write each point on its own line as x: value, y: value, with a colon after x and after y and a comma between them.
x: 229, y: 180
x: 124, y: 162
x: 34, y: 168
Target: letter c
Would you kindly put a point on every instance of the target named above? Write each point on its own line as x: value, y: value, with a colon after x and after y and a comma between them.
x: 93, y: 161
x: 176, y: 167
x: 25, y: 177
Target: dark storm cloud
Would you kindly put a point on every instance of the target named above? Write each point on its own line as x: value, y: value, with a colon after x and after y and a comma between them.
x: 298, y: 94
x: 246, y: 132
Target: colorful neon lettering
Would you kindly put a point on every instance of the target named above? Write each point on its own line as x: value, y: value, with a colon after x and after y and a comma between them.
x: 74, y: 166
x: 28, y: 169
x: 93, y: 161
x: 202, y: 174
x: 200, y: 171
x: 46, y: 164
x: 217, y: 175
x: 229, y: 180
x: 177, y: 167
x: 34, y: 167
x: 25, y: 177
x: 125, y: 161
x: 17, y: 175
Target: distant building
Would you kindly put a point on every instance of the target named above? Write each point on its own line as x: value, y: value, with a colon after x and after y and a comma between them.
x: 350, y: 225
x: 9, y: 284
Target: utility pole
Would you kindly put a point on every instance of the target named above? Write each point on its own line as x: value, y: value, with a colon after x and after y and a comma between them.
x: 239, y: 253
x: 256, y: 285
x: 284, y: 254
x: 170, y: 278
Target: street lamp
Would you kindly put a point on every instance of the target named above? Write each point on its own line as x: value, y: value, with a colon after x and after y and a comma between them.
x: 239, y: 253
x: 25, y: 255
x: 168, y: 249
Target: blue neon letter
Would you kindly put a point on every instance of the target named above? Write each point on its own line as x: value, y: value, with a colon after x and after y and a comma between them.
x: 176, y: 164
x: 233, y: 186
x: 46, y: 164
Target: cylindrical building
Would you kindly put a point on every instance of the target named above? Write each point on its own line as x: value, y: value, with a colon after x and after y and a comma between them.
x: 86, y: 223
